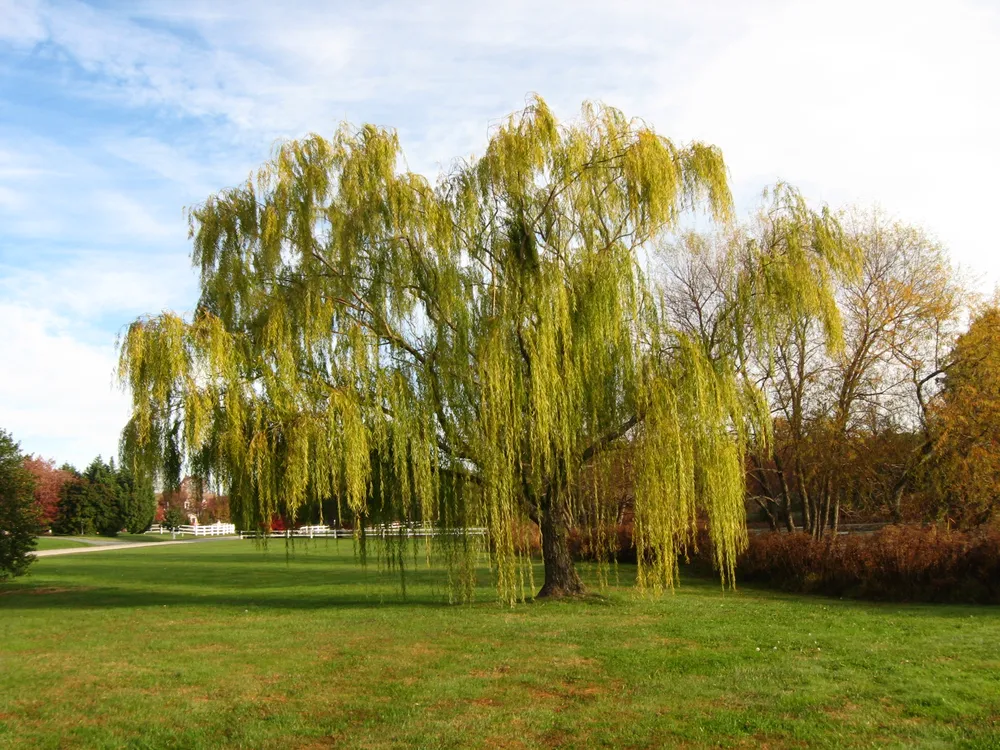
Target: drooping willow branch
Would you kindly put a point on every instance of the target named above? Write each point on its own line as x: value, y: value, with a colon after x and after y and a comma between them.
x: 456, y: 354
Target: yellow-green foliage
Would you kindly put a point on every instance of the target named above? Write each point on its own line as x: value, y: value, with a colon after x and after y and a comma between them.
x: 453, y: 354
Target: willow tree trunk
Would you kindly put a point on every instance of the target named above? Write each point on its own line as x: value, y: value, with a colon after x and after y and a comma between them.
x: 561, y: 578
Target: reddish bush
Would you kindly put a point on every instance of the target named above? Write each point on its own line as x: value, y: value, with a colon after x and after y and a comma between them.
x: 584, y: 544
x: 527, y: 540
x: 896, y: 563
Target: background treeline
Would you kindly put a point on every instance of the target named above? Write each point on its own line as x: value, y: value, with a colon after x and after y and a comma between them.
x: 103, y: 499
x: 897, y: 422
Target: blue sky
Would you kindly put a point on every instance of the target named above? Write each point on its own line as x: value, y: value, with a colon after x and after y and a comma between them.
x: 115, y: 116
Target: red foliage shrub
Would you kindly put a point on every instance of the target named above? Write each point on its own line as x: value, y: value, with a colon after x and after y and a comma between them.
x: 584, y: 544
x: 897, y: 563
x: 528, y: 540
x: 277, y: 523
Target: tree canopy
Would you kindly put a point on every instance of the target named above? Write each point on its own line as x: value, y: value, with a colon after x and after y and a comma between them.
x: 452, y: 354
x: 49, y: 482
x: 844, y: 416
x: 962, y: 470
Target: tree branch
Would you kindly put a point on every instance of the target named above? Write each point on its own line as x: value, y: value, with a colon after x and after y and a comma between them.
x: 603, y: 442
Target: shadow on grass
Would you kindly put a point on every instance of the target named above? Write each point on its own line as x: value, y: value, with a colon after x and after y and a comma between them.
x: 28, y: 597
x: 325, y: 577
x: 39, y: 597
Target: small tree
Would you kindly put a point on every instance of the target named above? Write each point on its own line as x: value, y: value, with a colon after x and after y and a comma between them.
x: 138, y: 501
x: 18, y: 514
x: 173, y: 518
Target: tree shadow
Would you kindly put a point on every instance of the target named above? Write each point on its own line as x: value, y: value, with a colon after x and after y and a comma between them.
x: 27, y: 597
x: 172, y: 578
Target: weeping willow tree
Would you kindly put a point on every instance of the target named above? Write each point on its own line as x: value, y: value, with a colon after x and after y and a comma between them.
x: 457, y: 354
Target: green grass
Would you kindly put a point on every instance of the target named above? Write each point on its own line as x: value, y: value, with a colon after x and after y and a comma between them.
x: 165, y: 537
x: 54, y: 542
x: 57, y: 542
x: 221, y: 645
x: 142, y: 538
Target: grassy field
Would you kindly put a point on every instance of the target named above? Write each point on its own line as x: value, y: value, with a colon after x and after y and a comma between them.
x: 221, y: 645
x: 55, y: 542
x: 144, y: 538
x: 59, y: 542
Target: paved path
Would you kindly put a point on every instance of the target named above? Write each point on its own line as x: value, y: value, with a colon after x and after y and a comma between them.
x: 105, y: 546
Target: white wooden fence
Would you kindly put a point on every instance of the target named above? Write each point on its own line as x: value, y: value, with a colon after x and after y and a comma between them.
x: 213, y: 529
x: 325, y: 532
x: 313, y: 532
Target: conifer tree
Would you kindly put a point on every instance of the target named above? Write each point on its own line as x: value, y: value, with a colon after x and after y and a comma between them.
x: 137, y: 501
x: 18, y: 515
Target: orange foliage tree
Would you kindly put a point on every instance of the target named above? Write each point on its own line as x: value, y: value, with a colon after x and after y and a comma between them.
x: 963, y: 475
x: 49, y: 482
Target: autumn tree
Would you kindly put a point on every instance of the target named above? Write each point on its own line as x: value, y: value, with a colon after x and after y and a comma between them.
x: 454, y: 354
x: 705, y: 296
x: 18, y: 514
x: 962, y: 466
x: 839, y: 405
x: 901, y: 315
x: 847, y: 416
x: 49, y: 481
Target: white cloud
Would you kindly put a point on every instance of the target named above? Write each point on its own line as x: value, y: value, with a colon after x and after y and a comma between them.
x: 82, y: 290
x: 57, y: 394
x: 57, y: 390
x: 890, y: 102
x: 193, y: 177
x: 165, y: 102
x: 22, y: 24
x: 50, y: 191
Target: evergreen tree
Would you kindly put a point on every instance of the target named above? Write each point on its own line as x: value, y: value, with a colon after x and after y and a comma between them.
x: 138, y: 501
x: 93, y: 502
x: 18, y: 514
x: 75, y: 513
x: 174, y: 517
x: 105, y: 497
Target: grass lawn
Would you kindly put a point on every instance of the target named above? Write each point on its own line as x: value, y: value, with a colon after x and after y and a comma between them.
x: 54, y: 542
x: 221, y: 645
x: 144, y: 538
x: 123, y: 538
x: 58, y: 542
